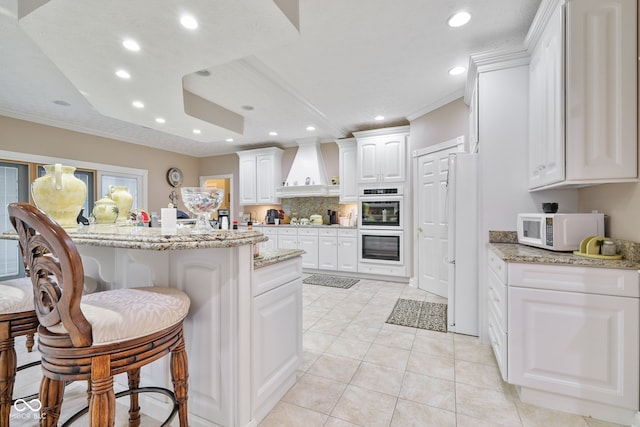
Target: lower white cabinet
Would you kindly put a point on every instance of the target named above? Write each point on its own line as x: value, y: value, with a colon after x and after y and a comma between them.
x: 276, y: 334
x: 272, y: 234
x: 308, y: 242
x: 347, y: 250
x: 568, y: 336
x: 328, y: 249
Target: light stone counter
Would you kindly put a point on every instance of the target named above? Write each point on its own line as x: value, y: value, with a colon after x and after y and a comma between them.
x: 146, y: 238
x: 513, y: 252
x: 273, y: 256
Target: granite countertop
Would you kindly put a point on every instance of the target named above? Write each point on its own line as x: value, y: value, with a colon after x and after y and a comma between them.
x: 514, y: 252
x: 146, y: 238
x: 274, y: 256
x: 307, y: 226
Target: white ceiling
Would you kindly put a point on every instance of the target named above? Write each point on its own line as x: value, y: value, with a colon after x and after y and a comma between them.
x: 333, y: 64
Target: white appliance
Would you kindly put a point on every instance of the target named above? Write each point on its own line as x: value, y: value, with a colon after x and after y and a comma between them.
x: 558, y: 232
x: 463, y: 222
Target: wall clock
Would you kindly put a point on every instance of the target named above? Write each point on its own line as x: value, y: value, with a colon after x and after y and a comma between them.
x: 174, y: 177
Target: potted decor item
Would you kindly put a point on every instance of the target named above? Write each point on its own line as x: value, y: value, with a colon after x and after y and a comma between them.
x: 105, y: 211
x: 60, y: 194
x: 120, y: 194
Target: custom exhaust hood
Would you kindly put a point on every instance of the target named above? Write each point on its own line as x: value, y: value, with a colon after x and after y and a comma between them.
x: 307, y: 176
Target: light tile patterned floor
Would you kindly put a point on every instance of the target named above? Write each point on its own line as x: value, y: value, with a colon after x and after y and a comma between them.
x: 360, y: 371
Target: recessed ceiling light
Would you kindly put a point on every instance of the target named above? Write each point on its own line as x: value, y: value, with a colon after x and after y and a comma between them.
x: 378, y: 118
x: 459, y: 19
x: 61, y: 103
x: 197, y: 131
x: 456, y: 71
x: 229, y: 140
x: 137, y: 104
x: 203, y: 73
x: 273, y: 133
x: 310, y: 128
x: 123, y: 74
x: 160, y: 120
x: 131, y: 44
x: 189, y: 22
x: 247, y: 107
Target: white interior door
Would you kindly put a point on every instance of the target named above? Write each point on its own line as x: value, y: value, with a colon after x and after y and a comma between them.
x: 431, y: 244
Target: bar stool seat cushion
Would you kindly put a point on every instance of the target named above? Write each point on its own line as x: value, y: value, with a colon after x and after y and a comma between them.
x: 125, y: 314
x: 16, y: 296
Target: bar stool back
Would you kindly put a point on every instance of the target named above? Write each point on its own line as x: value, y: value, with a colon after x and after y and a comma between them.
x: 99, y: 335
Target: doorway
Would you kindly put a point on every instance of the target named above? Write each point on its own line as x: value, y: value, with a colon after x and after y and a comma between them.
x: 431, y: 245
x: 223, y: 182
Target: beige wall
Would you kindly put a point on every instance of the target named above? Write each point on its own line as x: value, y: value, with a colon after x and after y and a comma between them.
x: 26, y: 137
x: 442, y: 124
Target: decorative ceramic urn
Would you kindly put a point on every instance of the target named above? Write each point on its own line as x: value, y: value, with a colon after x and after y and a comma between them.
x: 60, y: 194
x: 105, y: 211
x: 120, y: 194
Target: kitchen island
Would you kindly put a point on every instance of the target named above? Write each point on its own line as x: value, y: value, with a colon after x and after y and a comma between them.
x: 244, y: 328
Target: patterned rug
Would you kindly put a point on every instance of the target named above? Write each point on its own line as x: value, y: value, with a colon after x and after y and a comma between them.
x: 419, y: 314
x: 333, y: 281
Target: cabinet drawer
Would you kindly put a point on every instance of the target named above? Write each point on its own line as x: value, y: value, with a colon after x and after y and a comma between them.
x: 270, y: 277
x: 268, y: 231
x: 347, y: 232
x: 497, y: 294
x: 498, y: 339
x: 590, y: 280
x: 327, y: 232
x: 287, y: 231
x: 498, y: 266
x: 311, y: 231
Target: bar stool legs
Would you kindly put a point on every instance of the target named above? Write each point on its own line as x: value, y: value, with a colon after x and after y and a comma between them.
x: 133, y: 377
x: 8, y: 362
x: 180, y: 379
x: 51, y: 393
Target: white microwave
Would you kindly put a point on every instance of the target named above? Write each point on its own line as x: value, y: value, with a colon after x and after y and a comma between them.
x: 559, y: 231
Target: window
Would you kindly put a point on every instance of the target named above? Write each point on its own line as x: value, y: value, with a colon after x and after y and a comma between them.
x: 14, y: 179
x: 16, y: 170
x: 131, y: 182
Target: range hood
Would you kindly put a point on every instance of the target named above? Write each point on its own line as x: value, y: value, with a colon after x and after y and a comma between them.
x: 307, y: 177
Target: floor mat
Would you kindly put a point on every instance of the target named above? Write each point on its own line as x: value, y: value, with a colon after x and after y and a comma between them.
x: 419, y: 314
x: 332, y: 281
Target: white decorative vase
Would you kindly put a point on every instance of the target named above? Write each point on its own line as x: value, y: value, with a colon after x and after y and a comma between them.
x: 105, y: 211
x: 120, y: 194
x: 60, y: 194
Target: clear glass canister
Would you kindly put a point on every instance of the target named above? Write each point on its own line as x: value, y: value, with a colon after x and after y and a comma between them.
x: 608, y: 248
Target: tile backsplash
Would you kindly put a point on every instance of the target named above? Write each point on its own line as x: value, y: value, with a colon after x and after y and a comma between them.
x: 304, y: 207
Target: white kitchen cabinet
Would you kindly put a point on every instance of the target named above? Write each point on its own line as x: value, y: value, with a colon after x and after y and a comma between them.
x: 382, y: 155
x: 567, y: 336
x: 348, y: 250
x: 272, y: 233
x: 328, y: 249
x: 497, y: 308
x: 276, y: 333
x: 260, y: 174
x: 308, y: 242
x: 583, y: 100
x: 348, y: 161
x: 287, y: 237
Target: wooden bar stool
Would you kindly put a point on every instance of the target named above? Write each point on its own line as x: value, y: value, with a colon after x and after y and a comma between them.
x: 17, y: 318
x: 96, y: 336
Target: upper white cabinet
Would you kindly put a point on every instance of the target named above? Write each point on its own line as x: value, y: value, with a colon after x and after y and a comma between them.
x: 260, y: 175
x: 348, y: 161
x: 582, y: 93
x: 382, y: 155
